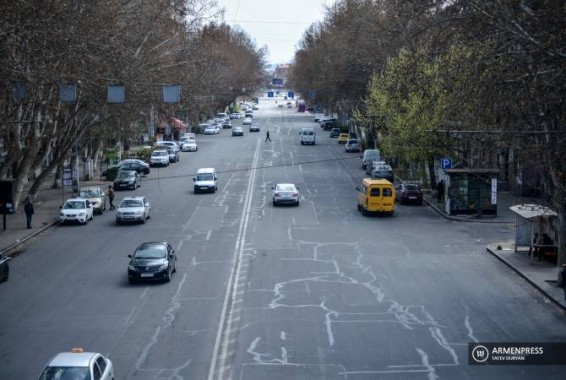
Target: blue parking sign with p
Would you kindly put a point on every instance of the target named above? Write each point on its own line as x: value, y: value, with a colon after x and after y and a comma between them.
x: 446, y: 163
x: 270, y: 94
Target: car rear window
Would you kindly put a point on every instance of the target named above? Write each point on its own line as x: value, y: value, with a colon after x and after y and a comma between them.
x: 374, y: 192
x: 387, y: 192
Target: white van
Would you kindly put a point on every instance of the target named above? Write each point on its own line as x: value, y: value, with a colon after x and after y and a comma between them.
x: 205, y: 180
x: 308, y: 136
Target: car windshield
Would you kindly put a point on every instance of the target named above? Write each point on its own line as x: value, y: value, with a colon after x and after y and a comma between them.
x: 89, y: 194
x: 157, y: 154
x: 205, y: 177
x: 285, y: 188
x: 131, y: 203
x: 412, y: 187
x: 66, y: 373
x: 125, y: 174
x: 73, y: 205
x: 151, y: 251
x: 383, y: 173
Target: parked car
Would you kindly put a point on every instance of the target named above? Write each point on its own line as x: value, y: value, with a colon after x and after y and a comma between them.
x: 370, y: 155
x: 327, y: 125
x: 78, y: 364
x: 173, y: 155
x: 352, y: 146
x: 4, y: 268
x: 76, y: 210
x: 370, y: 166
x: 343, y: 138
x: 227, y: 124
x: 129, y: 179
x: 159, y: 158
x: 152, y: 261
x: 409, y: 193
x: 165, y: 144
x: 383, y: 172
x: 136, y: 166
x: 136, y: 160
x: 96, y: 196
x: 211, y: 130
x: 133, y: 209
x: 335, y: 132
x: 285, y: 193
x: 237, y: 131
x: 254, y: 128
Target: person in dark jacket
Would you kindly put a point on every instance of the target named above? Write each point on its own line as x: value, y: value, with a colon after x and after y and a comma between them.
x: 111, y: 197
x: 267, y: 138
x: 28, y: 209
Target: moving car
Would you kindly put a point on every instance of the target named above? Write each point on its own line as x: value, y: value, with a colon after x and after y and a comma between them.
x: 189, y: 146
x: 159, y: 157
x: 352, y: 146
x: 4, y: 268
x: 335, y: 132
x: 285, y: 193
x: 248, y: 121
x: 78, y: 364
x: 343, y: 138
x: 238, y: 131
x: 409, y: 193
x: 235, y: 115
x: 254, y: 128
x: 308, y: 136
x: 76, y: 210
x: 133, y: 209
x: 127, y: 180
x: 376, y: 196
x: 227, y: 124
x: 136, y: 160
x: 96, y: 196
x: 205, y: 180
x: 152, y: 261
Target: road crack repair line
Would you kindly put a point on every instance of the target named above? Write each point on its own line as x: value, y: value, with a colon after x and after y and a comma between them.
x: 410, y: 317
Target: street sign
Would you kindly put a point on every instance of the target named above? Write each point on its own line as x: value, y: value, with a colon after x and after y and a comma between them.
x: 270, y: 94
x: 446, y: 163
x: 291, y: 94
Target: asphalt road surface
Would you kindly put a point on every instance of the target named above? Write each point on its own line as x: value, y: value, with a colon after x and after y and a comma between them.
x: 262, y: 292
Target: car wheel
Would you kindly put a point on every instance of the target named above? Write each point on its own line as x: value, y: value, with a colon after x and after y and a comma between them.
x: 359, y: 207
x: 168, y: 275
x: 6, y: 274
x: 175, y: 267
x: 143, y: 220
x: 131, y: 280
x: 274, y: 203
x: 118, y: 222
x: 297, y: 204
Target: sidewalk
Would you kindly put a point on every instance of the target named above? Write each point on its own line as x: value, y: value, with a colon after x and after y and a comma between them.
x: 46, y: 214
x: 543, y: 275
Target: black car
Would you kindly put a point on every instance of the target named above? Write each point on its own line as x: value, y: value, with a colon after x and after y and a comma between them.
x: 335, y: 132
x: 127, y: 179
x: 141, y: 169
x: 327, y: 125
x: 254, y: 128
x: 4, y: 268
x: 152, y: 261
x: 409, y: 193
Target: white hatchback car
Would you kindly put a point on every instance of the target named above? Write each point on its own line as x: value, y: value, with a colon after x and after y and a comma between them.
x: 285, y: 193
x: 78, y: 364
x: 133, y: 209
x: 189, y: 146
x: 76, y: 210
x: 248, y: 121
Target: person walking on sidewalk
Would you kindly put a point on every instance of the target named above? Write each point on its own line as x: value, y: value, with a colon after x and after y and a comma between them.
x: 111, y: 197
x: 440, y: 191
x: 28, y: 209
x: 267, y: 138
x: 563, y: 275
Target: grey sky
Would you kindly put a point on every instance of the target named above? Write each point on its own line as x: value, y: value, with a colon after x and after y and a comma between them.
x: 279, y: 24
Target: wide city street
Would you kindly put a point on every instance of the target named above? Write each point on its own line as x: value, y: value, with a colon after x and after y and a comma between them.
x: 317, y: 291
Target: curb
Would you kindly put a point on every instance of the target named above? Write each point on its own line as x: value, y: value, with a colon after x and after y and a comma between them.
x: 525, y: 277
x: 459, y: 219
x: 11, y: 251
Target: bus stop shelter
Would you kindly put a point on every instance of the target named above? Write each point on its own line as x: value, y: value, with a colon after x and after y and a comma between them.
x: 531, y: 219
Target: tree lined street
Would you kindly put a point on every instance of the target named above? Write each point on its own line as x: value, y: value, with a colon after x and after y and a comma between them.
x: 310, y: 292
